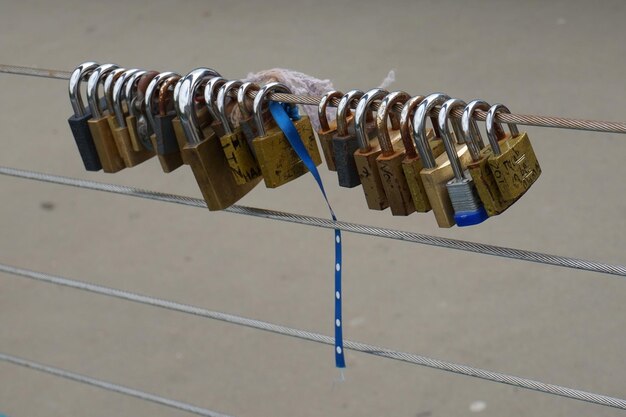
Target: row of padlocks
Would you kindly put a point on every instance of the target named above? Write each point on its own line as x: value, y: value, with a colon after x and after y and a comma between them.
x: 402, y: 165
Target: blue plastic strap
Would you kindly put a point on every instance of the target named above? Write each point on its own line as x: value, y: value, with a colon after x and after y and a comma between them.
x: 283, y: 114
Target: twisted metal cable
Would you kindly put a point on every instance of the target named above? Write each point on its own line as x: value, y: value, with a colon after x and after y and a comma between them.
x: 520, y: 119
x: 109, y: 386
x: 520, y: 382
x: 481, y: 248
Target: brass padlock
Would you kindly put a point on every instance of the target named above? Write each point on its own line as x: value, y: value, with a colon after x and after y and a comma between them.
x: 160, y: 112
x: 468, y: 209
x: 108, y: 153
x: 389, y: 162
x: 345, y: 142
x: 78, y: 121
x: 119, y: 125
x: 278, y: 161
x: 483, y: 178
x: 138, y: 127
x: 438, y: 171
x: 243, y: 165
x: 327, y: 130
x: 513, y: 163
x: 203, y: 148
x: 412, y: 164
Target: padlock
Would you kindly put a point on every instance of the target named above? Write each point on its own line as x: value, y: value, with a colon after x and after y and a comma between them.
x: 138, y: 126
x: 278, y: 161
x: 389, y: 162
x: 478, y: 168
x: 78, y: 121
x: 243, y: 165
x: 345, y: 142
x: 119, y: 124
x: 202, y: 118
x: 438, y: 171
x: 108, y: 153
x: 163, y: 138
x: 210, y: 95
x: 203, y: 148
x: 327, y: 130
x: 468, y: 209
x: 513, y: 163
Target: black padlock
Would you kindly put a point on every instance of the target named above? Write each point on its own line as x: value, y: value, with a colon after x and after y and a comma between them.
x: 78, y: 121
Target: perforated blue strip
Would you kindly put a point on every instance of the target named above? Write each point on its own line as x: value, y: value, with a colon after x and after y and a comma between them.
x: 283, y: 114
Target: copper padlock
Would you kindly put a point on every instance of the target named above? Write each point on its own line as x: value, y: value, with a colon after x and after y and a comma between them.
x: 203, y: 148
x: 412, y: 164
x: 278, y: 161
x: 104, y: 142
x: 327, y: 130
x: 160, y: 111
x: 243, y: 165
x: 438, y: 171
x: 389, y: 162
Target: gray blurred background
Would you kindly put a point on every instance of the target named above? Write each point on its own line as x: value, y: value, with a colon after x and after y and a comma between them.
x: 563, y: 58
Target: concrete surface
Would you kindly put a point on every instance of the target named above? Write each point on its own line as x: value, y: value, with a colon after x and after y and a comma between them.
x: 561, y: 326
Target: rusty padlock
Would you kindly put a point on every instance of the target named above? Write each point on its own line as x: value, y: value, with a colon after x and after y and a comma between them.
x: 438, y: 171
x: 160, y: 112
x: 203, y: 148
x: 278, y: 161
x: 78, y: 121
x: 236, y: 149
x: 485, y: 183
x: 104, y: 142
x: 327, y: 130
x: 389, y: 162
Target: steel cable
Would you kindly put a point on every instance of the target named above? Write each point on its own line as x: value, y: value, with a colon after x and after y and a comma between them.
x: 482, y: 248
x: 521, y: 119
x: 520, y: 382
x: 109, y: 386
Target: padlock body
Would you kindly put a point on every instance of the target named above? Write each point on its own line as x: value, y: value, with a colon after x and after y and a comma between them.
x: 165, y: 144
x: 486, y: 185
x: 516, y: 168
x: 212, y: 173
x: 181, y: 139
x: 125, y: 148
x: 344, y: 148
x: 135, y: 137
x: 370, y: 178
x: 395, y: 184
x: 435, y: 180
x: 242, y: 163
x: 84, y: 141
x: 104, y: 142
x: 412, y: 168
x: 326, y: 143
x: 278, y: 161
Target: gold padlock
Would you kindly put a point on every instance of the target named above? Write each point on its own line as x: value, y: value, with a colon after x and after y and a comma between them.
x: 485, y: 183
x: 108, y: 153
x: 204, y: 151
x: 243, y: 165
x: 412, y: 163
x: 438, y: 171
x: 389, y: 162
x: 327, y: 130
x: 119, y: 125
x: 278, y: 161
x: 514, y: 164
x: 160, y: 112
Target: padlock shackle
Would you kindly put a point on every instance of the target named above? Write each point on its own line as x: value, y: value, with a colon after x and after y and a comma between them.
x: 321, y: 108
x: 471, y: 133
x: 92, y: 88
x: 405, y: 125
x: 118, y: 89
x: 242, y: 98
x: 382, y: 115
x: 491, y: 124
x: 343, y: 110
x: 419, y: 127
x: 154, y: 88
x: 257, y: 106
x: 362, y: 108
x: 164, y: 92
x: 446, y: 135
x: 138, y: 104
x: 108, y: 87
x: 130, y: 89
x: 210, y: 94
x: 184, y: 101
x: 79, y: 74
x: 220, y: 102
